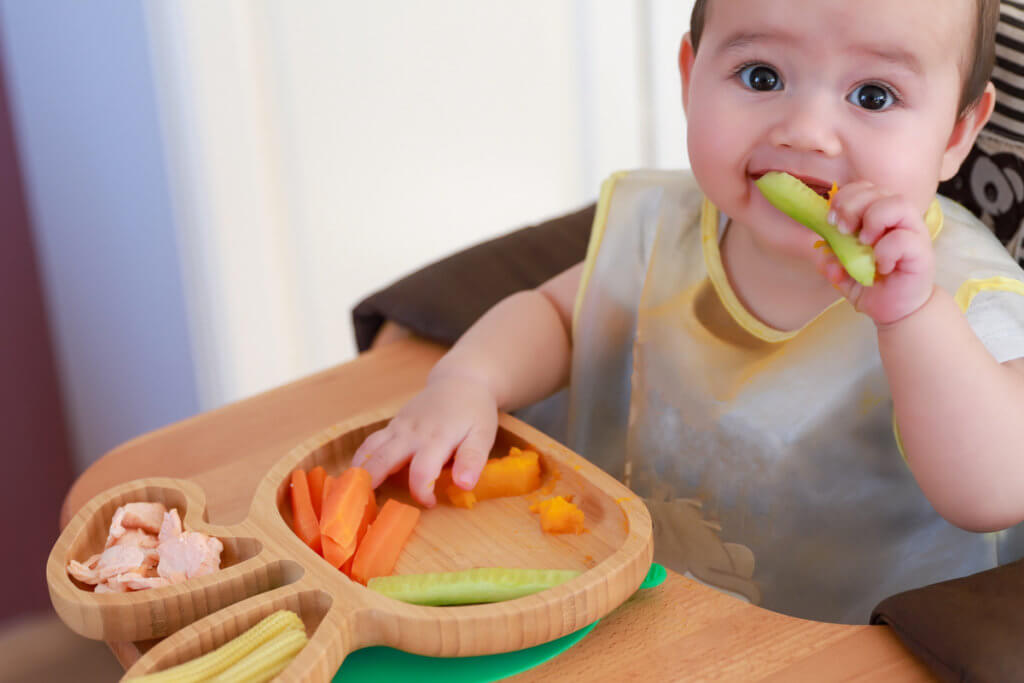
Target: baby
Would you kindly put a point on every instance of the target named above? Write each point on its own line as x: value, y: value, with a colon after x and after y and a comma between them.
x: 843, y: 442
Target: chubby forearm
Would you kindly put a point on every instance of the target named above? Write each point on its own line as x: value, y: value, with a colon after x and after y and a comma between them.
x: 955, y: 406
x: 519, y: 349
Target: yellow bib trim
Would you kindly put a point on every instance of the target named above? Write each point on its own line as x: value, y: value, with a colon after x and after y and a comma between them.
x: 712, y: 260
x: 933, y: 218
x: 971, y: 288
x: 716, y: 272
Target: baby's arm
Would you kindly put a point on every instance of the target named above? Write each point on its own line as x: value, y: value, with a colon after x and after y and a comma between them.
x: 955, y: 406
x: 515, y: 354
x: 958, y: 415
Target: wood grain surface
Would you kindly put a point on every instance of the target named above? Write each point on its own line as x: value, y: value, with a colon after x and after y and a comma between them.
x: 681, y: 630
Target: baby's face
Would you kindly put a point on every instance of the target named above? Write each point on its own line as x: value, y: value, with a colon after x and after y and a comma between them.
x: 828, y: 90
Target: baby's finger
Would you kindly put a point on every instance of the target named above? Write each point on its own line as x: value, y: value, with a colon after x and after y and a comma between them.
x: 900, y: 249
x: 387, y: 458
x: 471, y: 456
x: 886, y: 214
x: 849, y: 204
x: 828, y: 265
x: 846, y: 196
x: 424, y: 470
x: 846, y: 285
x: 822, y: 254
x: 369, y: 445
x: 836, y: 274
x: 849, y: 190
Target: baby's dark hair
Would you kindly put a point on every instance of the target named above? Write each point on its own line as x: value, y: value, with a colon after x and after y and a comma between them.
x: 976, y: 76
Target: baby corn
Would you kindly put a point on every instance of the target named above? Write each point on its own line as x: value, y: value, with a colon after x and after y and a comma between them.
x: 213, y: 663
x: 267, y: 661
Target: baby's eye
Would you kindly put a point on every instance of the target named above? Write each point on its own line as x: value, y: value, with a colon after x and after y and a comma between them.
x: 760, y: 77
x: 873, y: 97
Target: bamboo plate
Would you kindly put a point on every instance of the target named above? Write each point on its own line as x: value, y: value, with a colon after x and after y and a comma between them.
x: 265, y: 567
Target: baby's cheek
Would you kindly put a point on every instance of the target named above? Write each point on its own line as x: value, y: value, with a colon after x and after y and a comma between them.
x: 914, y: 176
x: 709, y: 164
x: 719, y: 142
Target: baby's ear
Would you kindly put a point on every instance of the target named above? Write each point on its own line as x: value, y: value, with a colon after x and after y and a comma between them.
x: 966, y: 131
x: 686, y: 57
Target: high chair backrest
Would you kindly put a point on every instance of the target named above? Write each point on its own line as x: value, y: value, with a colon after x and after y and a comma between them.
x: 990, y: 183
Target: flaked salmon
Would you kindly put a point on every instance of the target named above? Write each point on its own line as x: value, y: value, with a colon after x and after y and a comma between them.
x: 145, y: 516
x: 85, y: 571
x: 136, y: 582
x: 122, y: 559
x: 186, y: 554
x: 147, y: 547
x: 137, y: 537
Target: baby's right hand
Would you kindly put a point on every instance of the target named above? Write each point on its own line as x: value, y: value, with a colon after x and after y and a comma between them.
x: 451, y: 414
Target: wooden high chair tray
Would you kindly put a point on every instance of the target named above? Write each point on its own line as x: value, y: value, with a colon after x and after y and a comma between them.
x: 266, y: 567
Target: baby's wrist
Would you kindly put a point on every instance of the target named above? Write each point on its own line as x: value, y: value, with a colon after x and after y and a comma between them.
x: 890, y: 325
x: 442, y: 374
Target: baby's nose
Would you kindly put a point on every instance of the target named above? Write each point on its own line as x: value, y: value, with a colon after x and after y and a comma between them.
x: 807, y: 125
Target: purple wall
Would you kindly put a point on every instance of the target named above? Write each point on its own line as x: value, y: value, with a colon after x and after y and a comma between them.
x: 34, y: 449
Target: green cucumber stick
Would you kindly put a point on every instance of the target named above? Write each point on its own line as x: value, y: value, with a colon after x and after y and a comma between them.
x: 793, y: 198
x: 471, y: 586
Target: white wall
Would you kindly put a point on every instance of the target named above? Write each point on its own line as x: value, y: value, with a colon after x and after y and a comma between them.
x: 81, y: 94
x: 322, y: 150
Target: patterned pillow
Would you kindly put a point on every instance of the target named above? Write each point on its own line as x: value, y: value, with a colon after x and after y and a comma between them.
x: 990, y: 183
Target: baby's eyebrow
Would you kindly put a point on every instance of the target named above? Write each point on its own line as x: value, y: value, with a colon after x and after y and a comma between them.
x: 896, y: 56
x: 742, y: 39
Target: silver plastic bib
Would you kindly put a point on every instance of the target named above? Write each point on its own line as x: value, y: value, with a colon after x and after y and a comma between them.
x: 768, y: 459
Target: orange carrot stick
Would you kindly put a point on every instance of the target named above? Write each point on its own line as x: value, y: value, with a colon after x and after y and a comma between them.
x: 368, y: 516
x: 304, y: 521
x: 316, y: 478
x: 384, y: 540
x: 371, y: 510
x: 332, y: 551
x: 345, y: 507
x: 328, y: 480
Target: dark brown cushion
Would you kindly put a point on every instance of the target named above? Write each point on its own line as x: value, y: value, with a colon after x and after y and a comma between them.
x: 440, y: 301
x: 969, y: 629
x: 990, y: 184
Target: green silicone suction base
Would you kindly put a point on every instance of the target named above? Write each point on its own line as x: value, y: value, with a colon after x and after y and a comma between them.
x: 375, y: 664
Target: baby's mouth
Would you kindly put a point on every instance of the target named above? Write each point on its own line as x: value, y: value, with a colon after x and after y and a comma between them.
x: 819, y: 186
x: 820, y: 189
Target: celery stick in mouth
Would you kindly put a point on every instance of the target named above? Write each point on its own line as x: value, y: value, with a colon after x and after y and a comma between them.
x: 798, y: 201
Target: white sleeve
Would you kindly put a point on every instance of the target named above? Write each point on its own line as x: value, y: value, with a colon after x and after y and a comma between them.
x: 986, y: 281
x: 996, y: 314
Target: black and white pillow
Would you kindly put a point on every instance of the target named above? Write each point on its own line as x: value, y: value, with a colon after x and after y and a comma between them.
x: 990, y: 183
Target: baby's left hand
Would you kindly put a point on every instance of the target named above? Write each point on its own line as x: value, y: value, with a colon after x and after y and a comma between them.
x: 904, y: 258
